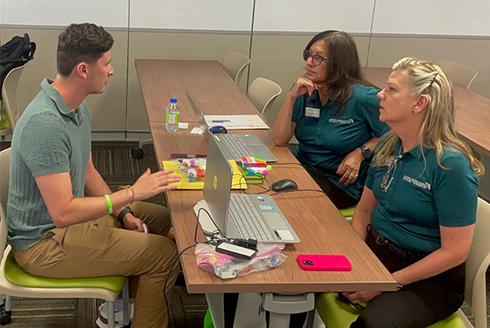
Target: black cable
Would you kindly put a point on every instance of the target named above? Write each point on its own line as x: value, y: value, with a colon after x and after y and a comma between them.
x: 240, y: 182
x: 196, y: 242
x: 168, y: 276
x: 281, y: 192
x: 266, y: 189
x: 212, y: 220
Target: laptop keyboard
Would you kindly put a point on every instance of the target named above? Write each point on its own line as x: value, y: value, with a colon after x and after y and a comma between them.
x: 236, y: 146
x: 247, y: 219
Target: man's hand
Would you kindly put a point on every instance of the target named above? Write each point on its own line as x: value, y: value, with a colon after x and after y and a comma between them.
x: 150, y: 184
x: 132, y: 223
x: 359, y: 297
x: 349, y: 167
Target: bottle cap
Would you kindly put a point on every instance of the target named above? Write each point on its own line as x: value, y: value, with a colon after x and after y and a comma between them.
x: 173, y: 100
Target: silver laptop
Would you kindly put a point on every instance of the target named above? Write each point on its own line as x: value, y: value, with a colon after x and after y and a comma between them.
x: 234, y: 145
x: 241, y: 215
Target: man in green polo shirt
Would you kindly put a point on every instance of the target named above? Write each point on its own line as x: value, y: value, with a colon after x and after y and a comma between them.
x: 63, y: 220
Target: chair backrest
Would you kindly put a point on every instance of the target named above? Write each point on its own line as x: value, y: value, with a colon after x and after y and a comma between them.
x: 3, y: 232
x: 234, y: 63
x: 477, y: 265
x: 4, y: 176
x: 9, y: 92
x: 4, y: 190
x: 459, y: 74
x: 262, y: 93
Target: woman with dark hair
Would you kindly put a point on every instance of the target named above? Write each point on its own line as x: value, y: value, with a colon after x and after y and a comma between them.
x: 334, y: 114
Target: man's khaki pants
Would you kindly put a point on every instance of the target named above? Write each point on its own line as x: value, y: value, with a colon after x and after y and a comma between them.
x: 103, y: 248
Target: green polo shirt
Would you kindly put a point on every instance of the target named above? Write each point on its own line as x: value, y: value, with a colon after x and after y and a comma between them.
x: 326, y: 140
x: 49, y: 138
x: 422, y: 197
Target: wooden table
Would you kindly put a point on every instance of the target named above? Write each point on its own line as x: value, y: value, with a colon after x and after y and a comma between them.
x: 318, y: 223
x: 205, y: 80
x: 472, y: 117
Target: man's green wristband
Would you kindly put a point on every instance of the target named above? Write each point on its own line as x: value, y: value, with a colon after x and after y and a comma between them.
x: 109, y: 203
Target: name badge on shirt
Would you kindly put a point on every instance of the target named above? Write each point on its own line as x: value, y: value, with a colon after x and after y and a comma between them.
x: 312, y: 112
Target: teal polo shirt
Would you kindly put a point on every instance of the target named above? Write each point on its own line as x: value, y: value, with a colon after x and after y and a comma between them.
x: 422, y: 197
x: 49, y: 138
x: 326, y: 140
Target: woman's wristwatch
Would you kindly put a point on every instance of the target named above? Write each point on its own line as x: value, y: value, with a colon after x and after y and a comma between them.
x: 366, y: 152
x: 123, y: 213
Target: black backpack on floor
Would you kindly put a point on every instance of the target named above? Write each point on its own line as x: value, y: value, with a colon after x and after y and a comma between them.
x: 15, y: 53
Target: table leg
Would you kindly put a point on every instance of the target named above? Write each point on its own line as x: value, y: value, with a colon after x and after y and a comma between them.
x: 216, y: 307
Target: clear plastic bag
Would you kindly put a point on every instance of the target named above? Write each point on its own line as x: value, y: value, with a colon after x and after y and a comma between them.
x: 193, y: 169
x: 226, y: 267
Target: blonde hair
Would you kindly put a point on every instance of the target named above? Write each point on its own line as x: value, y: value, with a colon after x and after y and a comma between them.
x: 437, y: 130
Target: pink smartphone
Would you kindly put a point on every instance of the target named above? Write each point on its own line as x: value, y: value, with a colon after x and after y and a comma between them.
x: 319, y: 262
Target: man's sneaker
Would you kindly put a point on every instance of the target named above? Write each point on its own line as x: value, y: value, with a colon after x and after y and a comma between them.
x: 118, y: 305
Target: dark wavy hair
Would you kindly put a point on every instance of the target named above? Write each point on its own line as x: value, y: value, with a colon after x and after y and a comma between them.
x: 81, y: 42
x: 343, y: 65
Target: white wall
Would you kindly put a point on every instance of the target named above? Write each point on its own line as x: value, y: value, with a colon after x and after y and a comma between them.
x: 412, y: 17
x: 211, y: 15
x: 433, y: 17
x: 352, y: 16
x: 108, y: 13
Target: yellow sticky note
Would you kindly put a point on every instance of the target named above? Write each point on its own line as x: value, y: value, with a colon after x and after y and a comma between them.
x: 238, y: 181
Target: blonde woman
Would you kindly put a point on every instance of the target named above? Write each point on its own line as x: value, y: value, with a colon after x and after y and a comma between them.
x: 418, y: 208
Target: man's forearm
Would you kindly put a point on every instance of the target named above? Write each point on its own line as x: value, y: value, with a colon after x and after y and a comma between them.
x: 95, y: 186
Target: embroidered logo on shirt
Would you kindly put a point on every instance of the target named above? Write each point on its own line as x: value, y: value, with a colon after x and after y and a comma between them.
x: 424, y: 185
x: 339, y: 121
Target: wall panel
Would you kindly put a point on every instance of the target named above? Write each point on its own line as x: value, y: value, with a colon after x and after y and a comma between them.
x: 210, y: 15
x: 108, y: 110
x: 173, y: 46
x: 434, y: 17
x: 312, y: 16
x: 385, y: 51
x: 109, y: 13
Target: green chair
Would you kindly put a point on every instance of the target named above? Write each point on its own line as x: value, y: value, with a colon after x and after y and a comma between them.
x: 348, y: 212
x: 208, y: 320
x: 337, y: 314
x: 15, y: 281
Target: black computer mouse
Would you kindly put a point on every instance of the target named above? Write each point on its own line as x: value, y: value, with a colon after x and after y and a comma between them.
x: 284, y: 184
x: 218, y: 129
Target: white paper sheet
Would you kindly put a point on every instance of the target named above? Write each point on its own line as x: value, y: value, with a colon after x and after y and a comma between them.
x: 236, y: 122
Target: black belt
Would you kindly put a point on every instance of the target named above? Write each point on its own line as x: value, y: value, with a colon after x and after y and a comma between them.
x: 395, y: 249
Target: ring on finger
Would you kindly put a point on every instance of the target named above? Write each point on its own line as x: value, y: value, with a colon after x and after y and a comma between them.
x: 353, y: 176
x: 302, y: 83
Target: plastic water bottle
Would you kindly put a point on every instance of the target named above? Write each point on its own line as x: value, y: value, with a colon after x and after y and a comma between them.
x: 173, y: 112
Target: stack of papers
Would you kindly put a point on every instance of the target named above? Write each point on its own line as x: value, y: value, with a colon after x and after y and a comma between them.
x: 236, y: 122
